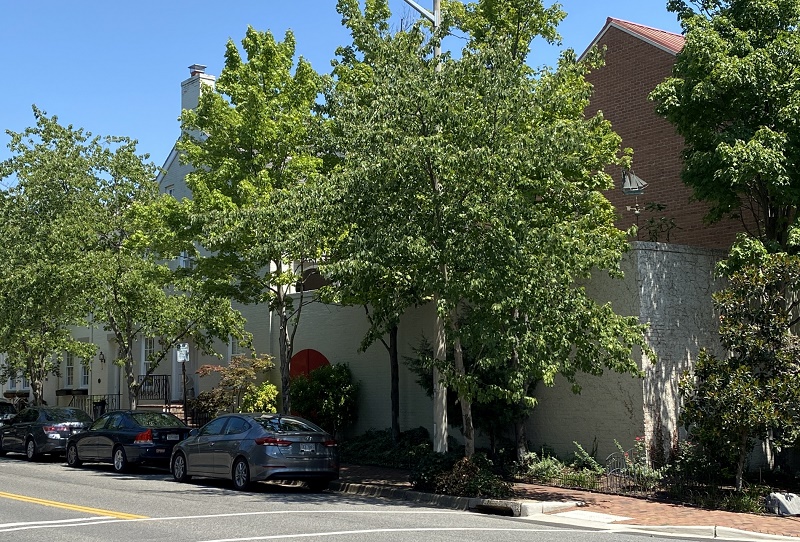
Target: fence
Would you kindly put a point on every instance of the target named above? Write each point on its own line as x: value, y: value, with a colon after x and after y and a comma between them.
x: 154, y: 387
x: 96, y: 405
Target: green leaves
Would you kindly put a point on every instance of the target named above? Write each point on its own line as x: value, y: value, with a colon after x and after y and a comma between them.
x: 734, y: 98
x: 255, y: 177
x: 477, y: 184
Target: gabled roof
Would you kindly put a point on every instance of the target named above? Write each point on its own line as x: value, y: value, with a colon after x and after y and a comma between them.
x: 666, y: 41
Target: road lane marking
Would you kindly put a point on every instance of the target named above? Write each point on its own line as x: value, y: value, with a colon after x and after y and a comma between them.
x: 55, y: 522
x: 408, y: 530
x: 73, y: 507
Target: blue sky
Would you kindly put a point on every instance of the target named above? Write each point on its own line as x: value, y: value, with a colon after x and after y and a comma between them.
x: 114, y: 68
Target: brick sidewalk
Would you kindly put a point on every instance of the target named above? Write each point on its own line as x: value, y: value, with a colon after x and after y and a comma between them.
x: 641, y: 511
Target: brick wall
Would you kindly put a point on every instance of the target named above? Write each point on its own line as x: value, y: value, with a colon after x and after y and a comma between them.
x: 633, y: 69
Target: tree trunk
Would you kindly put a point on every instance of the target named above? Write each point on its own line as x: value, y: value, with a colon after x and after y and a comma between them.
x: 520, y: 439
x: 465, y: 402
x: 133, y: 386
x: 439, y: 388
x: 36, y: 388
x: 395, y: 383
x: 743, y: 453
x: 285, y: 353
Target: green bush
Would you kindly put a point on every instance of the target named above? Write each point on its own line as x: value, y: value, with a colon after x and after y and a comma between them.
x: 327, y: 396
x: 546, y: 469
x: 473, y: 477
x: 375, y: 447
x: 425, y: 475
x: 260, y: 398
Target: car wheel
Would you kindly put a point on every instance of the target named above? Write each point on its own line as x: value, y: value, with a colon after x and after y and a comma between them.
x: 72, y: 456
x: 30, y: 450
x: 179, y: 468
x: 120, y: 459
x: 317, y: 485
x: 241, y: 474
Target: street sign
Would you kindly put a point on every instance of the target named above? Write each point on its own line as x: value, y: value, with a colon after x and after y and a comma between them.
x: 183, y: 353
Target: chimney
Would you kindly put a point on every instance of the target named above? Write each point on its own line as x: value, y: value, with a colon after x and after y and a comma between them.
x: 191, y: 88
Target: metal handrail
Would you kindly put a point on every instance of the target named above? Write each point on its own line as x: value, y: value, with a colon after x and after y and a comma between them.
x: 154, y: 387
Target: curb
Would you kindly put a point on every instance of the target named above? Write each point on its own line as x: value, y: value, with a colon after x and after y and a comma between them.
x: 535, y: 508
x: 500, y: 507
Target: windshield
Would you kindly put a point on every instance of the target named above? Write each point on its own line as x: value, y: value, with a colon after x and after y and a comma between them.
x: 7, y: 408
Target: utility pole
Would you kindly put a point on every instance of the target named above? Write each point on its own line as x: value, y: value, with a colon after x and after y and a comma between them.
x: 440, y: 342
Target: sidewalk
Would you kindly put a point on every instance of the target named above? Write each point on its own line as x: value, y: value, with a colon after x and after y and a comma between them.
x: 564, y: 505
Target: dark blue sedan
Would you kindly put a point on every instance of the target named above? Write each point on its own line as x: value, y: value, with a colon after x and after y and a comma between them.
x: 127, y: 437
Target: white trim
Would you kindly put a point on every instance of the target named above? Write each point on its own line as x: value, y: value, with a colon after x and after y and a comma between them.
x: 167, y: 165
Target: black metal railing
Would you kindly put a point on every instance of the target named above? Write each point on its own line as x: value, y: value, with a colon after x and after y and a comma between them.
x: 96, y: 405
x: 154, y: 387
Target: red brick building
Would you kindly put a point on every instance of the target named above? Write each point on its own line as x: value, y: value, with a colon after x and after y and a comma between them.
x: 638, y: 58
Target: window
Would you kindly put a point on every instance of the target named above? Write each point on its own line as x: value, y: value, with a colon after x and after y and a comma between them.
x: 237, y: 349
x: 18, y: 383
x: 236, y: 426
x: 213, y: 427
x: 148, y: 354
x: 184, y: 260
x: 84, y: 375
x: 170, y: 190
x: 310, y: 278
x: 69, y: 370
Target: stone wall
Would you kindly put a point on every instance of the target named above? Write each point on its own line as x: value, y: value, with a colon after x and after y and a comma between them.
x: 669, y: 287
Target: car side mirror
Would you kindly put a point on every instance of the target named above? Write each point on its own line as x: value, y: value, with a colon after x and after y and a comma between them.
x: 193, y: 432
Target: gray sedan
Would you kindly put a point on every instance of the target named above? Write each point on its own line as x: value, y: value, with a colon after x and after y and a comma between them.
x: 250, y: 447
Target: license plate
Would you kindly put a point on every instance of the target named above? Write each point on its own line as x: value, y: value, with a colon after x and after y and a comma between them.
x: 307, y: 447
x: 173, y: 437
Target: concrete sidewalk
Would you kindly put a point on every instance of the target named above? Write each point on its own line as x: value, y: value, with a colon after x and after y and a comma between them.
x: 582, y: 508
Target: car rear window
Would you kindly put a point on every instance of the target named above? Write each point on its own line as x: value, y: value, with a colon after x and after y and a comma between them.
x: 286, y: 425
x: 156, y: 419
x: 7, y: 408
x: 66, y: 415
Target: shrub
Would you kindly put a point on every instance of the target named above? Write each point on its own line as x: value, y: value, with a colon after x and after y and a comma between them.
x: 546, y: 469
x: 261, y: 398
x: 327, y: 397
x: 425, y: 475
x: 235, y: 380
x: 585, y: 461
x: 375, y: 447
x: 472, y: 477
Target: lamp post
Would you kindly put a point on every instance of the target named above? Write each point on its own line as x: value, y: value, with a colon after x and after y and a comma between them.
x: 440, y: 346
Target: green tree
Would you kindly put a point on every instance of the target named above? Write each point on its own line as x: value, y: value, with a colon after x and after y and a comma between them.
x: 237, y: 390
x: 753, y: 392
x: 103, y: 245
x: 483, y: 180
x: 46, y: 219
x: 254, y: 207
x: 734, y: 97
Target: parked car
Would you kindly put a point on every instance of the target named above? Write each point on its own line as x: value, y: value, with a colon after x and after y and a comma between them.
x: 250, y: 447
x: 127, y: 437
x: 40, y: 430
x: 7, y: 411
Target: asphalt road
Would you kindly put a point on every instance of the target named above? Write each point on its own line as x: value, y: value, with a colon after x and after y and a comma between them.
x: 49, y: 501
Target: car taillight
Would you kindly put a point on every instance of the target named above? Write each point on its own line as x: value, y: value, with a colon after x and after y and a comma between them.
x: 53, y: 428
x: 329, y: 443
x: 273, y: 441
x: 145, y: 437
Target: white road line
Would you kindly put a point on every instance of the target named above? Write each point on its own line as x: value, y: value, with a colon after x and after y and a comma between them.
x: 105, y: 520
x: 409, y: 530
x: 52, y: 523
